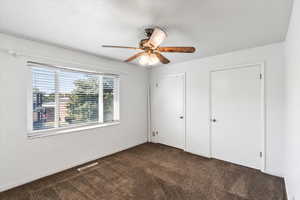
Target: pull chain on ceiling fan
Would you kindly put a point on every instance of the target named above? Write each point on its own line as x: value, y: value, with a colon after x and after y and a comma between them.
x: 151, y: 50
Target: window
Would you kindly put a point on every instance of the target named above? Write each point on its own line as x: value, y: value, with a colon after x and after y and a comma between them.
x: 64, y: 98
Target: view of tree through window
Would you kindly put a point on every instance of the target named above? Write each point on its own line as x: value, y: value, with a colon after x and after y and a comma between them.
x: 108, y: 99
x: 74, y: 97
x: 78, y: 98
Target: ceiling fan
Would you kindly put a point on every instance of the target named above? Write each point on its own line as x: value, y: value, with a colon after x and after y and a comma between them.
x: 151, y: 50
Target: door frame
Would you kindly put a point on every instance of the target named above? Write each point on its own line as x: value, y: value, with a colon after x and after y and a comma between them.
x: 263, y: 107
x: 152, y: 86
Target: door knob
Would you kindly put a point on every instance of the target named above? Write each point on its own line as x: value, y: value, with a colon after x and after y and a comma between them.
x: 181, y: 117
x: 213, y: 120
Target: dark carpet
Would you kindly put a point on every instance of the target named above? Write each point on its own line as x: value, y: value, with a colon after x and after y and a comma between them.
x: 150, y: 172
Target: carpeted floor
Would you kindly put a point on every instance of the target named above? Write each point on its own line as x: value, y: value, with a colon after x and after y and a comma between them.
x: 150, y: 172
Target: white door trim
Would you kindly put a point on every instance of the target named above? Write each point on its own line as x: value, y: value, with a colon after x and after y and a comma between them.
x: 263, y: 107
x: 153, y: 83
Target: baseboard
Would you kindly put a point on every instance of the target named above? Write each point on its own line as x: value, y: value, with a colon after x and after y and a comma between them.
x: 54, y: 171
x: 197, y: 154
x: 273, y: 173
x: 265, y: 171
x: 285, y: 191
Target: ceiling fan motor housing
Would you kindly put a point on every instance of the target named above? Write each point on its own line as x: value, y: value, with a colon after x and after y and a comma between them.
x: 148, y: 32
x: 143, y: 42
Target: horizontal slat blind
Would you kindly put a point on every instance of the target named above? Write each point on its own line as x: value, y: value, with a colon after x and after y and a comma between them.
x: 78, y: 98
x: 43, y: 93
x: 65, y: 98
x: 108, y: 99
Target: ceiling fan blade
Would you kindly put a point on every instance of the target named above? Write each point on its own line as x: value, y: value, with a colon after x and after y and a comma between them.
x: 177, y: 49
x: 134, y: 57
x: 162, y: 58
x: 157, y: 37
x: 122, y: 47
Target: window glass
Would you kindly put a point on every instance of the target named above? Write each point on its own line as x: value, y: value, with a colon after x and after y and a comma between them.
x: 78, y: 98
x: 108, y: 99
x: 43, y: 89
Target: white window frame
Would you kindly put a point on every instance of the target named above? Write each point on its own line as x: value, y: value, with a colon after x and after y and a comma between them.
x: 77, y: 127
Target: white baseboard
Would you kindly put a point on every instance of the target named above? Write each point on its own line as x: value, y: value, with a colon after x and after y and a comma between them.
x: 54, y: 171
x: 286, y: 188
x: 273, y: 173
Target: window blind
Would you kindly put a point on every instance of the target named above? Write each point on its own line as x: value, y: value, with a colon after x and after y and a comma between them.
x: 43, y: 93
x: 78, y: 98
x: 108, y: 99
x: 64, y: 98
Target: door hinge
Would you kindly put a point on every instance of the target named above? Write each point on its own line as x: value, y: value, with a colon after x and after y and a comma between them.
x: 260, y: 76
x: 260, y: 154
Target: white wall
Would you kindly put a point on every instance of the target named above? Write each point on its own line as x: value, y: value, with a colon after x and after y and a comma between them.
x: 23, y: 159
x: 292, y: 105
x: 197, y: 72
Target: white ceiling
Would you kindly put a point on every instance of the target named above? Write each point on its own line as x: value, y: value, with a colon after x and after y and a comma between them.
x: 212, y: 26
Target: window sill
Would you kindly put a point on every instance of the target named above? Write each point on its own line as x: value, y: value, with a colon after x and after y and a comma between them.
x: 59, y: 131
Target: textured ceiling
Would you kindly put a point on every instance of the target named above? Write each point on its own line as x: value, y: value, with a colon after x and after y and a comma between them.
x: 212, y: 26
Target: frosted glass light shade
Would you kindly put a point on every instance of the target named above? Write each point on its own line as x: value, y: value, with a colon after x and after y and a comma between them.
x: 144, y: 59
x: 153, y: 60
x: 157, y: 37
x: 148, y: 59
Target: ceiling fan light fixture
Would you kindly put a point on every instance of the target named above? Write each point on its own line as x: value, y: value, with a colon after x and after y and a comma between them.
x: 157, y: 37
x: 153, y: 60
x: 148, y: 60
x: 144, y: 59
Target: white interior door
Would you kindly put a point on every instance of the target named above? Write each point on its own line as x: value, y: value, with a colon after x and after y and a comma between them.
x: 168, y: 111
x: 236, y: 125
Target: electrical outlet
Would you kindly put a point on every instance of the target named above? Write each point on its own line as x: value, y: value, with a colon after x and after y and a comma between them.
x: 153, y: 133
